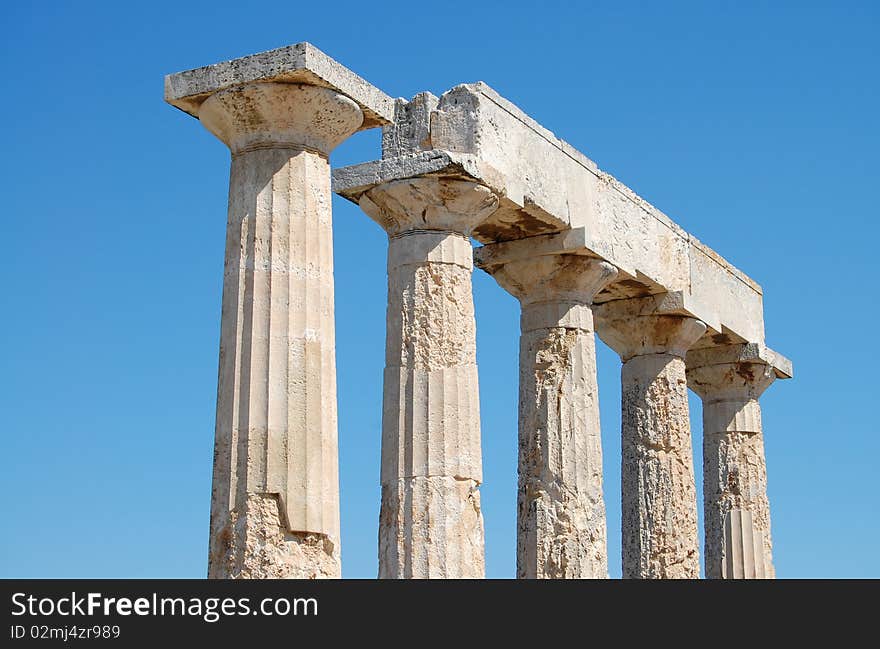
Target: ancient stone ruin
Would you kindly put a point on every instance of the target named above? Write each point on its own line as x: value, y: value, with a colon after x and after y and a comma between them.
x: 581, y: 252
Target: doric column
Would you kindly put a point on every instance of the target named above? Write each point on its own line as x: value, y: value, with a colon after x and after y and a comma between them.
x: 659, y: 512
x: 736, y: 513
x: 561, y: 530
x: 275, y: 503
x: 275, y: 499
x: 430, y: 524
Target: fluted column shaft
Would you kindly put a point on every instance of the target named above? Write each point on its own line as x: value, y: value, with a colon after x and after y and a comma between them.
x: 561, y: 528
x: 275, y: 499
x: 659, y: 507
x: 430, y: 525
x: 431, y: 460
x: 736, y: 511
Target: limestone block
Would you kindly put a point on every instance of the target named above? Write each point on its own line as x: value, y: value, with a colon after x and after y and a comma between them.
x: 355, y: 181
x: 639, y: 239
x: 738, y: 298
x: 301, y: 63
x: 540, y: 172
x: 410, y: 132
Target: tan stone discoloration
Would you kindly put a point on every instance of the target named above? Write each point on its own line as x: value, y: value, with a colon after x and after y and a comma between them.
x: 736, y: 511
x: 561, y: 529
x: 431, y: 524
x: 254, y: 543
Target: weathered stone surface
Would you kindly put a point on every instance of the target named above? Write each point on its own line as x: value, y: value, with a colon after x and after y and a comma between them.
x: 561, y: 529
x: 354, y: 181
x: 646, y: 325
x: 659, y: 512
x: 738, y: 542
x: 280, y: 115
x: 444, y: 529
x: 472, y: 118
x: 410, y: 131
x: 659, y: 497
x: 257, y: 544
x: 302, y: 63
x: 431, y: 423
x: 275, y: 459
x: 430, y: 524
x: 742, y: 353
x: 433, y: 203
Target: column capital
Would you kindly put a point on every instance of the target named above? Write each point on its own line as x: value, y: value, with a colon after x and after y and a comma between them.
x: 644, y: 334
x: 736, y: 372
x: 643, y: 326
x: 280, y: 115
x: 429, y: 203
x: 552, y: 278
x: 739, y: 381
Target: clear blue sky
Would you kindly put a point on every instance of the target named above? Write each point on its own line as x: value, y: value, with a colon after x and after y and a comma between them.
x: 753, y: 125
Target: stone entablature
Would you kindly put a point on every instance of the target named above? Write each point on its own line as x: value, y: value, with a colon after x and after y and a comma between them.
x: 547, y: 186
